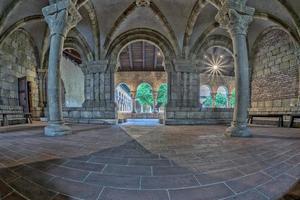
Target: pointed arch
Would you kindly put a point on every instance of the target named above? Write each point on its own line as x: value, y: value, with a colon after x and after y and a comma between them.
x: 191, y: 24
x: 19, y: 24
x: 130, y: 10
x: 169, y: 51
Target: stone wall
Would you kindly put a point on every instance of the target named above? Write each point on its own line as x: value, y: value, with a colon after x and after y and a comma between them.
x: 275, y: 75
x: 17, y: 59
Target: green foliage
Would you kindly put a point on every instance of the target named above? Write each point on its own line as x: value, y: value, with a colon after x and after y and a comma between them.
x: 162, y: 96
x: 221, y: 100
x: 208, y: 102
x: 232, y: 99
x: 144, y: 94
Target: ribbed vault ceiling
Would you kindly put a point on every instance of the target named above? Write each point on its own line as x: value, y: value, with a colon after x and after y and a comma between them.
x: 182, y: 22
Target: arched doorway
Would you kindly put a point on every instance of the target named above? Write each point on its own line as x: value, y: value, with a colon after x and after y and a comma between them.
x: 141, y: 65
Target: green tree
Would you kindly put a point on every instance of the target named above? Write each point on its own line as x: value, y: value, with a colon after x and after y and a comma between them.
x: 232, y: 99
x: 144, y: 94
x: 221, y: 100
x: 162, y: 96
x: 208, y: 102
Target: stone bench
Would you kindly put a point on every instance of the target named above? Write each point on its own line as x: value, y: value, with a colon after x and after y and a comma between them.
x: 279, y: 116
x: 5, y: 119
x: 292, y: 119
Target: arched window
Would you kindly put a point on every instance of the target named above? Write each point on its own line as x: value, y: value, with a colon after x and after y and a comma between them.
x: 205, y: 96
x: 222, y: 97
x: 162, y: 96
x: 144, y: 97
x: 124, y: 95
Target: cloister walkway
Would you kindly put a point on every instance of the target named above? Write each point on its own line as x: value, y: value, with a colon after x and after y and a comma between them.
x: 149, y: 163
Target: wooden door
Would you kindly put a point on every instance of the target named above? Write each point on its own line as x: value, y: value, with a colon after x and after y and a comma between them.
x: 23, y: 94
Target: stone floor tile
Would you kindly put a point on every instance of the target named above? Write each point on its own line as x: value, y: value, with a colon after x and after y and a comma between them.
x: 120, y: 194
x: 31, y: 190
x: 34, y: 175
x: 66, y: 172
x: 114, y: 181
x: 295, y: 172
x: 249, y: 195
x: 214, y: 177
x: 74, y: 188
x: 107, y: 160
x: 127, y: 170
x: 84, y: 166
x: 278, y: 187
x: 168, y: 182
x: 4, y: 189
x: 14, y: 196
x: 212, y: 192
x: 168, y: 171
x: 278, y: 169
x: 149, y: 162
x: 248, y: 182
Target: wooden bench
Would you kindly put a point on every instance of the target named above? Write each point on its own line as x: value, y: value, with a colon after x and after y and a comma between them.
x: 292, y: 118
x: 279, y: 116
x: 27, y: 116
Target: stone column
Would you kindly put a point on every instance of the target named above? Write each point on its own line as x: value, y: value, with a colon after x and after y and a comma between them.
x: 133, y: 96
x: 42, y: 73
x: 155, y: 96
x: 235, y: 16
x: 213, y: 96
x: 183, y: 84
x: 61, y: 17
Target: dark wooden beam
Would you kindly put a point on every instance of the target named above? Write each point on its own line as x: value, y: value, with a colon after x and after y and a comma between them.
x: 155, y: 58
x: 130, y: 55
x: 143, y: 53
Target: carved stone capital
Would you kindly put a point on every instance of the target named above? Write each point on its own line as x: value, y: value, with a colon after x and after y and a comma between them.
x: 235, y: 16
x: 183, y: 65
x: 142, y: 3
x: 61, y: 17
x: 99, y: 66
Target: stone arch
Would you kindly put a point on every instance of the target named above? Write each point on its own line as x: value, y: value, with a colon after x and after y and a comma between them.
x: 25, y: 66
x: 212, y: 41
x: 155, y: 9
x: 141, y: 34
x: 19, y: 24
x: 278, y: 22
x: 205, y: 91
x: 199, y: 5
x: 274, y: 59
x: 223, y: 89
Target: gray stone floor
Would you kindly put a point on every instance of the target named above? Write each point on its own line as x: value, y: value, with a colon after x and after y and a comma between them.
x: 149, y: 163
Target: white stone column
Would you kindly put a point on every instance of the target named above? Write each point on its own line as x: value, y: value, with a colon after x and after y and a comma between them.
x: 61, y: 17
x: 235, y: 16
x: 133, y: 96
x: 155, y: 96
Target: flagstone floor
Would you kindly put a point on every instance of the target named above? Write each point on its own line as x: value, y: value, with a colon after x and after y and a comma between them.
x: 149, y: 163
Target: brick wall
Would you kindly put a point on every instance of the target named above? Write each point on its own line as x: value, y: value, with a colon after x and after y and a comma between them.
x: 275, y: 75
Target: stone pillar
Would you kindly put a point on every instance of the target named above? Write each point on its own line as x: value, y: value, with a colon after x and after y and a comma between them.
x: 42, y: 73
x: 133, y: 96
x: 213, y: 97
x: 61, y: 17
x: 235, y: 16
x: 183, y: 86
x: 155, y: 96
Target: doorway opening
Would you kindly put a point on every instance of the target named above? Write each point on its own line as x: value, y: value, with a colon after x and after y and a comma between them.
x: 141, y: 84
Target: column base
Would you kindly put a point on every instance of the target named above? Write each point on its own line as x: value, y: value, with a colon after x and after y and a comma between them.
x: 57, y: 130
x: 238, y: 131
